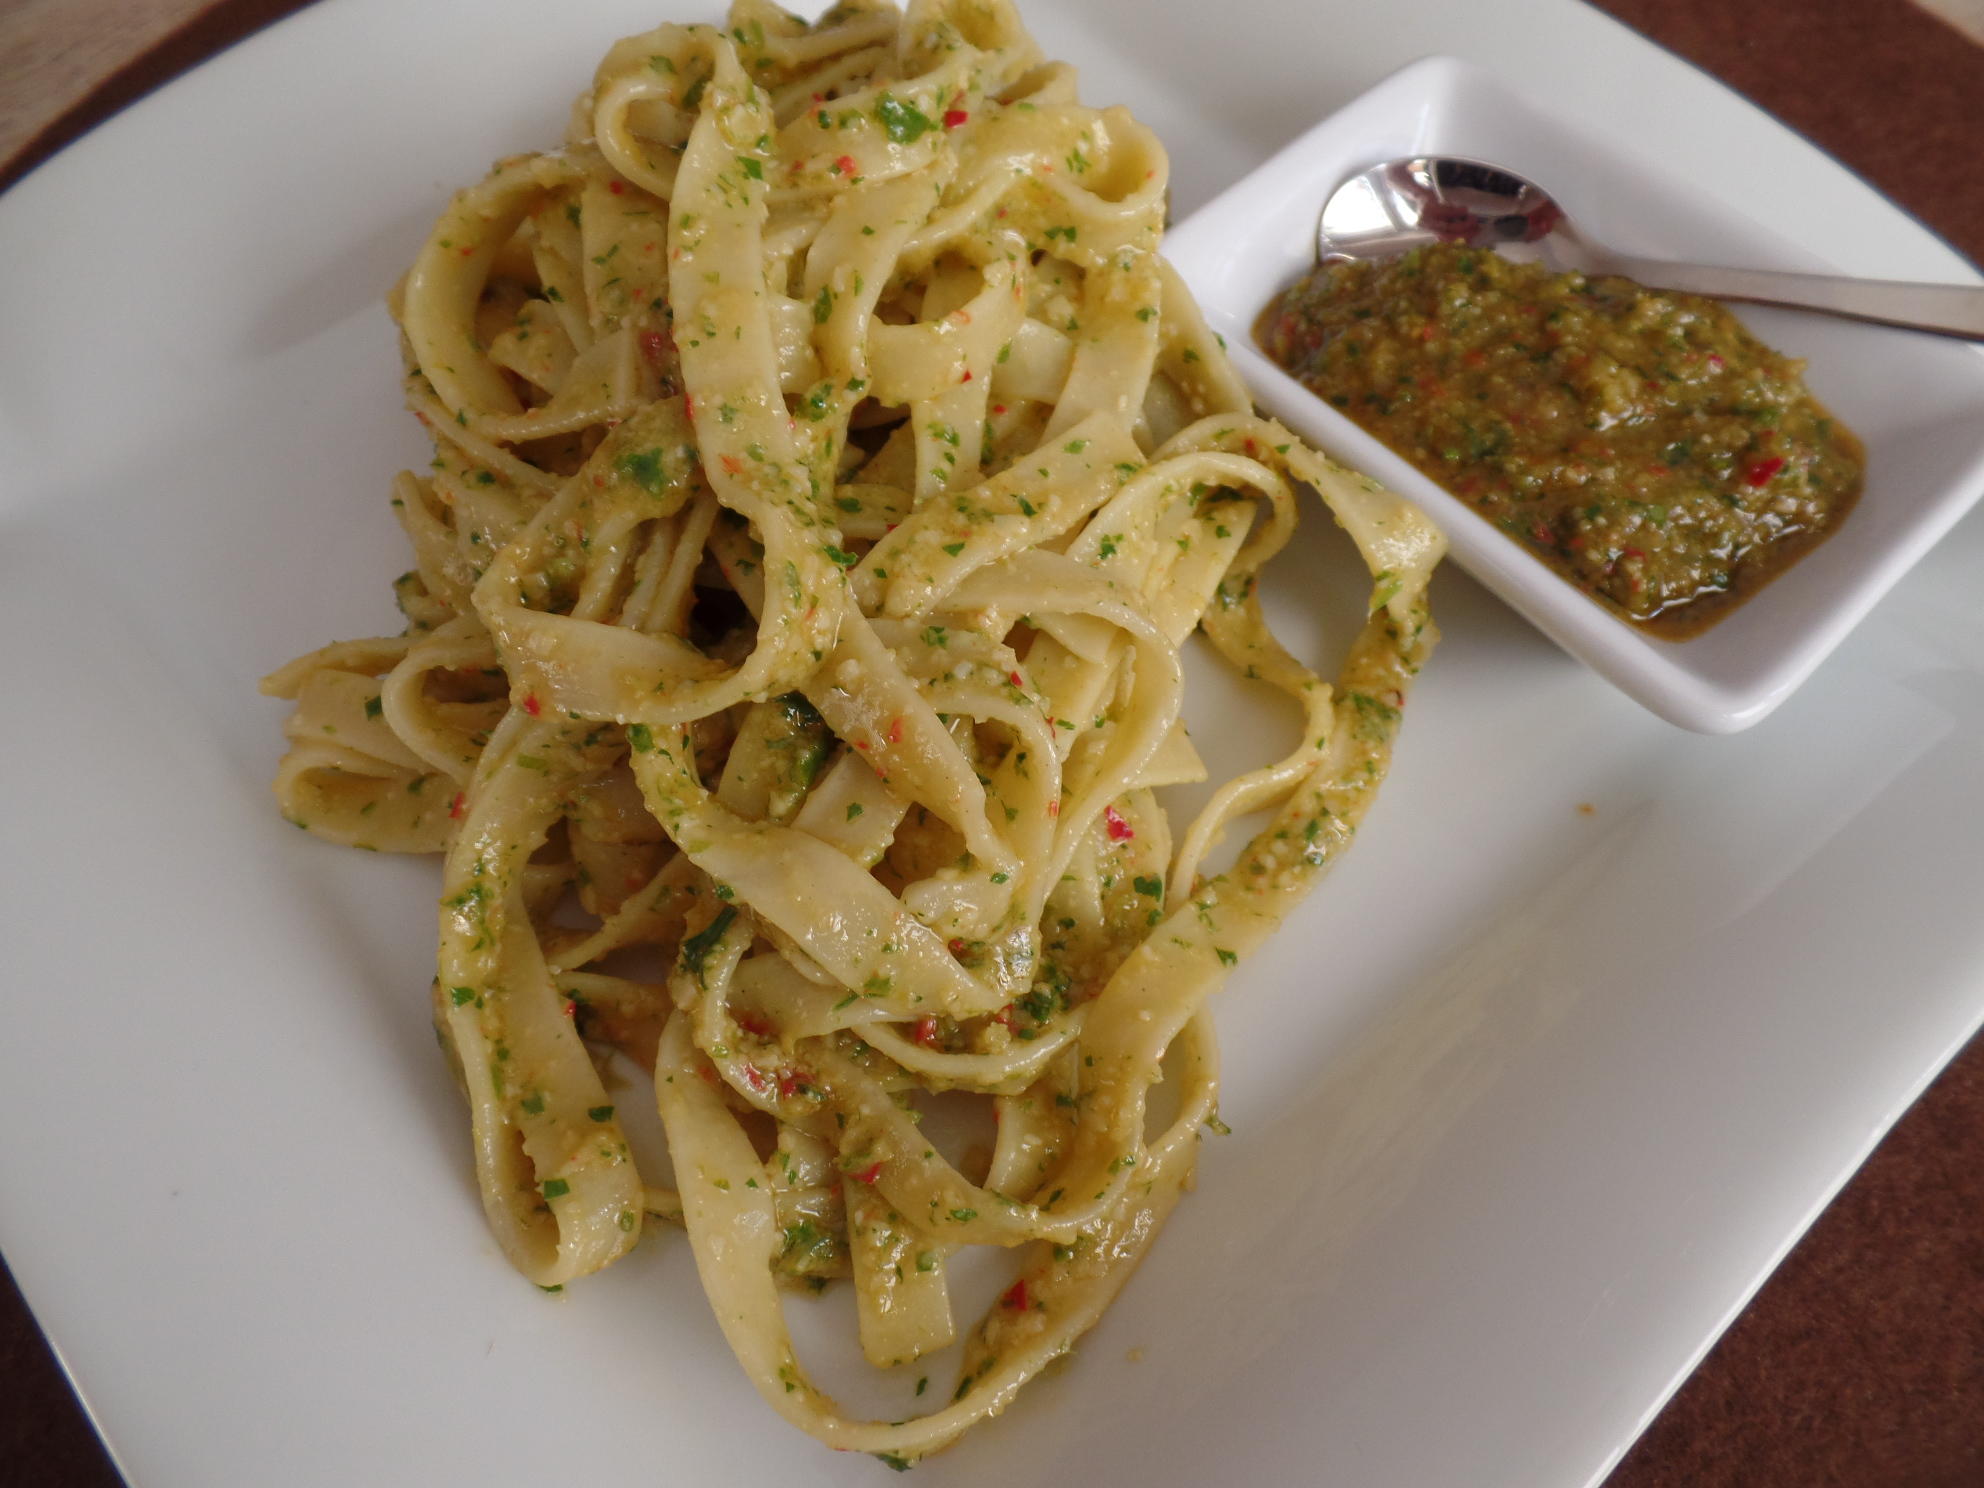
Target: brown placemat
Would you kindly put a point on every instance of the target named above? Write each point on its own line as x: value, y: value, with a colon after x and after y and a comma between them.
x: 1882, y: 86
x: 67, y: 65
x: 1861, y: 1363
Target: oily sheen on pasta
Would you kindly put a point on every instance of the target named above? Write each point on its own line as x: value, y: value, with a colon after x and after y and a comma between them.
x: 827, y: 471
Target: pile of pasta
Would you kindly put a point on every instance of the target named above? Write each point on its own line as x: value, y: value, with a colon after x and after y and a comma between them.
x: 827, y: 472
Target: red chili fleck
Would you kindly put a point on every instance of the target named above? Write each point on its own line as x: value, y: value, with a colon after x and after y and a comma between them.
x: 1004, y: 1015
x: 455, y: 806
x: 1657, y: 469
x: 860, y: 743
x: 789, y: 1082
x: 754, y: 1024
x: 1715, y: 361
x: 967, y: 375
x: 1631, y: 553
x: 571, y: 1008
x: 1119, y: 830
x: 954, y: 117
x: 1014, y: 678
x: 689, y: 407
x: 1054, y: 807
x: 732, y: 464
x: 754, y: 1077
x: 1543, y: 534
x: 615, y: 187
x: 998, y: 408
x: 869, y: 1174
x: 894, y: 735
x: 708, y: 1074
x: 654, y: 344
x: 1760, y: 473
x: 1015, y: 1296
x: 957, y: 947
x: 468, y: 250
x: 844, y: 166
x: 532, y: 706
x: 1425, y: 333
x: 926, y: 1031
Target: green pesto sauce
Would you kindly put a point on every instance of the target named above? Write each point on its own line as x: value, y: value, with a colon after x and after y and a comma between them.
x: 1641, y: 442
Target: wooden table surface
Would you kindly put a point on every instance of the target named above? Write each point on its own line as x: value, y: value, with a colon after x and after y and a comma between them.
x: 1861, y: 1362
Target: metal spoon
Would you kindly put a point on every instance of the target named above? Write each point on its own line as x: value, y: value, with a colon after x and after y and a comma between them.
x: 1403, y: 204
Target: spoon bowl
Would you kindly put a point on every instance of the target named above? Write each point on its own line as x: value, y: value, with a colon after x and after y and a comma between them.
x: 1391, y: 208
x: 1405, y: 204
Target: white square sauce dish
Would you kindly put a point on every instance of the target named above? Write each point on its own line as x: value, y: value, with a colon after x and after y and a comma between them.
x: 1915, y: 399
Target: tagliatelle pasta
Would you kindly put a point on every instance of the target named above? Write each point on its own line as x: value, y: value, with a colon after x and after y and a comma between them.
x: 827, y: 472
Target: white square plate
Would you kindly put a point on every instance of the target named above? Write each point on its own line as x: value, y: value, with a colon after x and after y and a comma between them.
x: 1525, y: 1100
x: 1917, y: 400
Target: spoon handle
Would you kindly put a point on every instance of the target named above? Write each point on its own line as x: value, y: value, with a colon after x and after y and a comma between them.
x: 1952, y: 309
